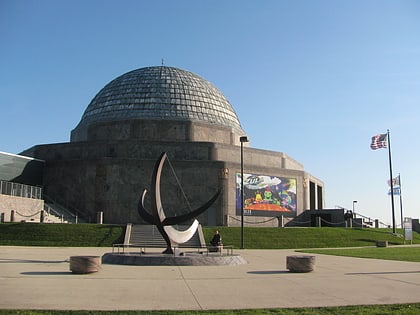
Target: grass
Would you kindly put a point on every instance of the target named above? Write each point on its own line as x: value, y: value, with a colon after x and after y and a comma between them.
x: 388, y: 253
x: 94, y: 235
x: 394, y: 309
x: 291, y: 238
x: 35, y: 234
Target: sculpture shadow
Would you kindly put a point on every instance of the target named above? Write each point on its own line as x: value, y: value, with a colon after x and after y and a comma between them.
x: 47, y: 273
x: 31, y: 261
x: 381, y: 273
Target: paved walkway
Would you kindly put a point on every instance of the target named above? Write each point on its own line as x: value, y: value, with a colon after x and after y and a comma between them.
x: 39, y: 278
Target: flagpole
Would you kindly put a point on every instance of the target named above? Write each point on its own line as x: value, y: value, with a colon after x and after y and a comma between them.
x: 392, y: 185
x: 401, y: 207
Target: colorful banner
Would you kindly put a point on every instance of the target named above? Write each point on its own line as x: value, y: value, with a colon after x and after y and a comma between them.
x: 266, y: 195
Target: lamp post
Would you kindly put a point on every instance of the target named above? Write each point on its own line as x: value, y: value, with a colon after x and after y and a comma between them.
x: 354, y: 201
x: 242, y: 140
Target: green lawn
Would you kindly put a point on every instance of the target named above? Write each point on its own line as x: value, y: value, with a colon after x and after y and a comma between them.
x: 34, y: 234
x: 326, y: 237
x: 389, y: 253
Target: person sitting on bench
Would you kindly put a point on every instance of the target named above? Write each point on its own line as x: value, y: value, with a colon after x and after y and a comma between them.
x: 216, y: 242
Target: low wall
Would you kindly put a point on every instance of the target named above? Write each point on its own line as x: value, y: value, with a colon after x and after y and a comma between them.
x: 25, y: 209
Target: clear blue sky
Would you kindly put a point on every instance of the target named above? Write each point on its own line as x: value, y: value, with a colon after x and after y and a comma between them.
x: 313, y: 79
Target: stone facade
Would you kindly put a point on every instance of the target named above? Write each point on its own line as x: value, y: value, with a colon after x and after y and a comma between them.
x: 110, y: 176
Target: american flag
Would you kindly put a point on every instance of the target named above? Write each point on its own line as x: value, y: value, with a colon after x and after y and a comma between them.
x: 378, y: 142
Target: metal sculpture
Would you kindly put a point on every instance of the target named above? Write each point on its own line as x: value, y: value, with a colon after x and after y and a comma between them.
x: 164, y: 224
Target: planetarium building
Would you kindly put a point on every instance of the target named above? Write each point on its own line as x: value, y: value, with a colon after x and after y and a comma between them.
x: 141, y: 114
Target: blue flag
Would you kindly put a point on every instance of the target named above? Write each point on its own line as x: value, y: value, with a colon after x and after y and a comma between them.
x: 397, y: 191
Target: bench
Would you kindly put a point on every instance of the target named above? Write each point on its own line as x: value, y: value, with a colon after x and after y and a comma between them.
x: 143, y: 237
x: 219, y: 249
x: 120, y: 248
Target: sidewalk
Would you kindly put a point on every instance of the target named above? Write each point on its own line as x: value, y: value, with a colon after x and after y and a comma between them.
x: 39, y: 278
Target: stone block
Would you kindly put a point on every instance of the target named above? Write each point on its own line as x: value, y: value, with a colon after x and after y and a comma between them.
x: 85, y: 264
x: 300, y: 263
x: 381, y: 243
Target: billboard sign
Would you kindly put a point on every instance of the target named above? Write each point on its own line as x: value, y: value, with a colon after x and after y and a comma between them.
x: 266, y: 195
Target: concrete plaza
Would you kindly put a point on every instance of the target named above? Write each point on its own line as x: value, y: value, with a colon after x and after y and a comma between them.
x: 39, y: 278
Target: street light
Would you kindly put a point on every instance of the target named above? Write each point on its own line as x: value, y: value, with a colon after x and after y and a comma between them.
x: 354, y: 201
x: 242, y: 140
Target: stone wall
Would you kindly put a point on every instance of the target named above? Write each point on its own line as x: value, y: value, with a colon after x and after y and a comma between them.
x: 109, y: 177
x: 25, y: 209
x: 156, y: 130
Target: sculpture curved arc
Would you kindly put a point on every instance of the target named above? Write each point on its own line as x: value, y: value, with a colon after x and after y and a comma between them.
x: 181, y: 237
x: 156, y: 184
x: 164, y: 224
x: 142, y: 211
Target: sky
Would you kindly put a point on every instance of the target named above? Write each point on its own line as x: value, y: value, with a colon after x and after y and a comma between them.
x: 315, y: 79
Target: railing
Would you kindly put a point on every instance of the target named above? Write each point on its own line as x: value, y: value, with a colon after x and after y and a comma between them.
x: 20, y: 190
x: 52, y: 213
x: 57, y: 209
x: 369, y: 219
x: 258, y: 222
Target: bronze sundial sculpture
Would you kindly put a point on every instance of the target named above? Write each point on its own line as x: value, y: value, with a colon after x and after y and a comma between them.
x: 165, y: 224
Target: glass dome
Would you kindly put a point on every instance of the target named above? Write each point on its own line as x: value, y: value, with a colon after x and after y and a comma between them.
x: 160, y: 92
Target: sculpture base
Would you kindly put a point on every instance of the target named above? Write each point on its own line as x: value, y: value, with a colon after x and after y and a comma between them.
x: 157, y: 259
